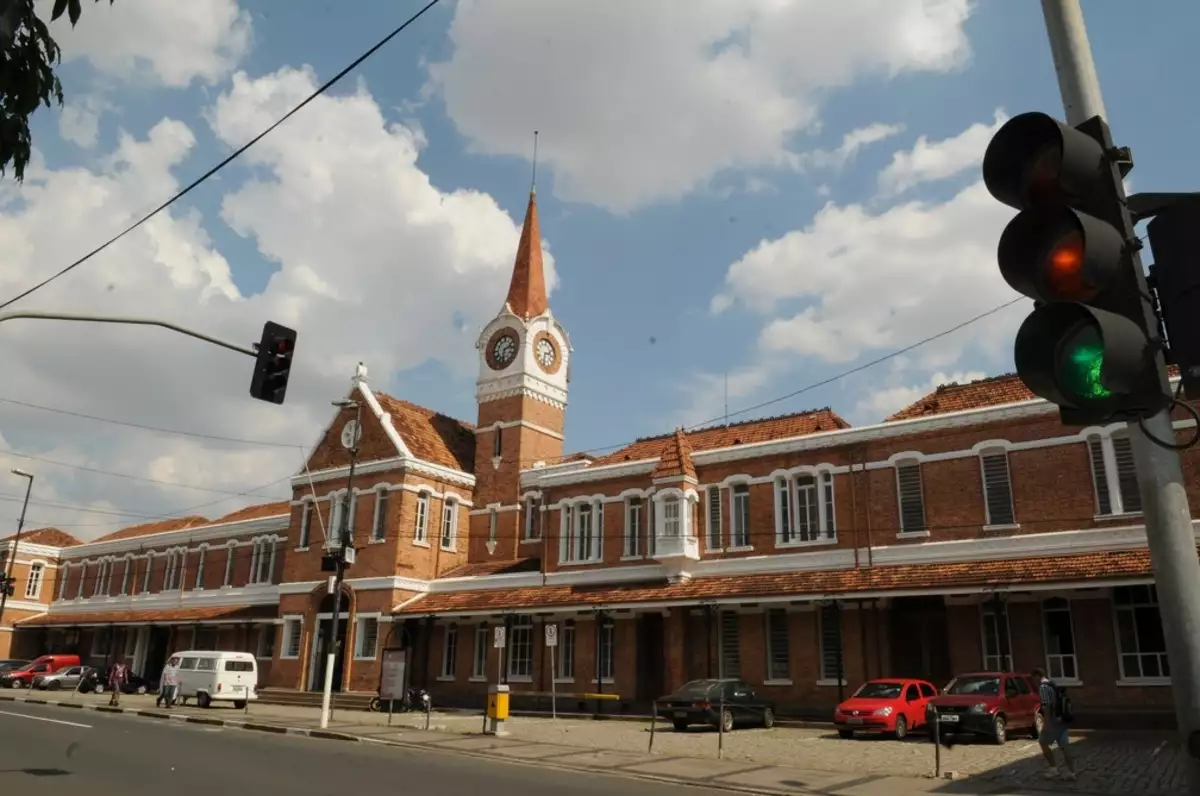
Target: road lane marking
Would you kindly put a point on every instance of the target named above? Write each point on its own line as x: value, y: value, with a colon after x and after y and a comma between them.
x: 43, y: 718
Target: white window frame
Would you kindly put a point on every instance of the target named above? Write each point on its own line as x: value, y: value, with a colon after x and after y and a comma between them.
x: 127, y: 574
x: 379, y: 520
x: 479, y: 652
x: 83, y: 568
x: 33, y: 585
x: 306, y: 514
x: 64, y: 574
x: 739, y: 517
x: 787, y: 517
x: 911, y: 466
x: 714, y: 532
x: 635, y: 508
x: 581, y: 531
x: 449, y: 531
x: 230, y: 553
x: 994, y: 456
x: 1161, y: 657
x: 149, y: 570
x: 1060, y: 605
x: 293, y: 631
x: 449, y: 666
x: 1002, y: 662
x: 336, y: 508
x: 262, y: 552
x: 1110, y: 480
x: 361, y: 622
x: 265, y: 633
x: 198, y: 584
x: 564, y: 662
x: 171, y: 574
x: 421, y: 523
x: 531, y: 528
x: 98, y: 584
x: 520, y: 649
x: 493, y: 524
x: 606, y: 652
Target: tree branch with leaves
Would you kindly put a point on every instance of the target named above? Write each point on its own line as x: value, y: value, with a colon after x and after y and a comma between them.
x: 28, y: 58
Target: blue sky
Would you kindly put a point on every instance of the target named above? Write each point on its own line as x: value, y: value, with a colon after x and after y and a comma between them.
x: 690, y: 239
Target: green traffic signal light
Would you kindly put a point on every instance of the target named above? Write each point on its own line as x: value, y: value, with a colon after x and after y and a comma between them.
x: 1081, y: 365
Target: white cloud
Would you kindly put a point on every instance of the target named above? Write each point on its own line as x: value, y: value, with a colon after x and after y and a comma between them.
x: 338, y: 202
x: 638, y: 103
x: 79, y: 121
x: 852, y: 143
x: 156, y: 42
x: 711, y: 395
x: 883, y: 401
x: 939, y: 160
x: 857, y: 283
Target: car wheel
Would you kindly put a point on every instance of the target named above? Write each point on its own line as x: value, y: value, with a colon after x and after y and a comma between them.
x: 140, y: 690
x: 204, y: 701
x: 768, y: 718
x: 54, y: 686
x: 100, y: 688
x: 1039, y: 721
x: 726, y: 721
x: 846, y: 734
x: 999, y: 730
x: 680, y: 726
x: 17, y: 684
x: 901, y: 728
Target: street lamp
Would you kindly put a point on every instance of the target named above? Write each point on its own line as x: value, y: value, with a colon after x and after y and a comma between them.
x: 342, y: 549
x: 8, y: 572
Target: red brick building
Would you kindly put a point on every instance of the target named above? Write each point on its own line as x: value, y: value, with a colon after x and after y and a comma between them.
x: 970, y: 530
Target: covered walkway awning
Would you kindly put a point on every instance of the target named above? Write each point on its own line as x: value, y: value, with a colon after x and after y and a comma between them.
x: 1022, y: 574
x: 179, y: 616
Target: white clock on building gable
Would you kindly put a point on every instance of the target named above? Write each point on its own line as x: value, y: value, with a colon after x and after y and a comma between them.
x: 545, y: 352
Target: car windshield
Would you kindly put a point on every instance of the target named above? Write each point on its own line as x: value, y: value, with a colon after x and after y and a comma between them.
x: 975, y: 686
x: 696, y: 688
x: 879, y: 691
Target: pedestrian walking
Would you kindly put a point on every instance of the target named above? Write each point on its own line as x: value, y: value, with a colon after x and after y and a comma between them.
x: 1057, y: 715
x: 169, y: 685
x: 118, y: 675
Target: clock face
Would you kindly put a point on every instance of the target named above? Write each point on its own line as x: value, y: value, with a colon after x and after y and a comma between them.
x: 504, y: 350
x: 545, y: 352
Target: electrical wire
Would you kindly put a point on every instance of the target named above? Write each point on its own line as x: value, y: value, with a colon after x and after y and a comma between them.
x: 238, y: 152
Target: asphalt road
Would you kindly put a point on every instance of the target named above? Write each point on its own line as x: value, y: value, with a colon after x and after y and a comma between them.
x: 46, y: 751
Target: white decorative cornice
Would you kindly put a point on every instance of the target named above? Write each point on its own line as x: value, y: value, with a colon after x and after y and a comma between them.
x: 547, y: 477
x: 384, y: 418
x: 32, y: 549
x: 175, y: 599
x: 409, y: 464
x: 196, y: 533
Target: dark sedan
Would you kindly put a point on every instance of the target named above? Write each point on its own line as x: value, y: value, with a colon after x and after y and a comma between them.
x: 717, y: 703
x: 97, y: 682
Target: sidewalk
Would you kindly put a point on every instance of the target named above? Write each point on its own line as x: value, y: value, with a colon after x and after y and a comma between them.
x: 754, y: 761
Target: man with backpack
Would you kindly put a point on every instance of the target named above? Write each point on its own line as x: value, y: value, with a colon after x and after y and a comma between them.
x: 1056, y: 715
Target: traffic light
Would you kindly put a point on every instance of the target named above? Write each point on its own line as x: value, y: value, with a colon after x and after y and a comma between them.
x: 8, y: 585
x: 1175, y: 241
x: 1091, y: 344
x: 274, y: 363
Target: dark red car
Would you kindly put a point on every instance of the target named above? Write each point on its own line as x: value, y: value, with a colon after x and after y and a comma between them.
x: 886, y: 705
x: 988, y: 704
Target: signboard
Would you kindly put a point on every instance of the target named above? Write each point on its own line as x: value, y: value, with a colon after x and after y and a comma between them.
x: 391, y: 683
x: 551, y: 635
x: 498, y: 638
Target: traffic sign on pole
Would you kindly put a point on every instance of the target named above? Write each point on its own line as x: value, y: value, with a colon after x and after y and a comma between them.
x: 498, y: 638
x: 551, y: 635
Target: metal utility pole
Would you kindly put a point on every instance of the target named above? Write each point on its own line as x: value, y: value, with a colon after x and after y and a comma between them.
x: 345, y: 543
x: 1164, y: 499
x: 8, y: 571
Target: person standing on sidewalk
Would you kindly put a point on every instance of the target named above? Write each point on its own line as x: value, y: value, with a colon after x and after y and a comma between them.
x: 170, y: 682
x: 1056, y: 714
x: 118, y: 675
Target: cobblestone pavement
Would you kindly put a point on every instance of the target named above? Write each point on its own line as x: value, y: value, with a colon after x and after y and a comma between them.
x: 1148, y: 764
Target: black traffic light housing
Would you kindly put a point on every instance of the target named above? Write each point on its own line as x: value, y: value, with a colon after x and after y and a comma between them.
x: 8, y: 585
x: 1174, y: 236
x: 273, y: 364
x: 1091, y: 345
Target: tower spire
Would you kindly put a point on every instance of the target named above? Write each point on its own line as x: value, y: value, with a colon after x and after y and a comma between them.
x: 527, y: 290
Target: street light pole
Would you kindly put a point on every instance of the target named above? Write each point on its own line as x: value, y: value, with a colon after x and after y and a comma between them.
x: 8, y: 571
x: 345, y: 541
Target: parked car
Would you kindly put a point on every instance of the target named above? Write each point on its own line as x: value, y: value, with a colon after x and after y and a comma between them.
x: 885, y: 705
x: 717, y: 703
x: 215, y: 676
x: 97, y: 682
x: 65, y: 679
x: 9, y: 664
x: 46, y: 664
x: 988, y: 704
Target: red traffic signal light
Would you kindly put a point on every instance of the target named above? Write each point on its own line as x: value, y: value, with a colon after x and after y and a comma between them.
x: 1089, y: 345
x: 273, y: 365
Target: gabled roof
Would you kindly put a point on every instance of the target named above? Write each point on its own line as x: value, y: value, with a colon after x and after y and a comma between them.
x: 481, y: 568
x: 431, y: 435
x: 1006, y: 388
x: 724, y: 436
x: 159, y: 526
x: 527, y: 290
x: 675, y: 458
x: 50, y: 537
x: 255, y: 512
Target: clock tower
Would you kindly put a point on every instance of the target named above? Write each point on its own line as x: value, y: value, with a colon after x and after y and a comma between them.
x: 524, y: 370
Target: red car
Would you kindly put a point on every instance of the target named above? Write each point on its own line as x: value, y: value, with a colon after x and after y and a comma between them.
x: 988, y: 704
x: 890, y: 705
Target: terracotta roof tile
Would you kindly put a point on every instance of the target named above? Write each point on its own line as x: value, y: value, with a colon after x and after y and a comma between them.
x: 1006, y: 388
x: 724, y: 436
x: 160, y: 526
x: 675, y: 459
x: 527, y: 291
x: 50, y: 537
x: 255, y: 512
x: 480, y: 568
x: 431, y: 435
x: 184, y: 615
x: 976, y: 574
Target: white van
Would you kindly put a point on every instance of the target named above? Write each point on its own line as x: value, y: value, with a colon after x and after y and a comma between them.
x: 210, y: 676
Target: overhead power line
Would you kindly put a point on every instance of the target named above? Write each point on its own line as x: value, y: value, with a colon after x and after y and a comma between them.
x: 236, y: 153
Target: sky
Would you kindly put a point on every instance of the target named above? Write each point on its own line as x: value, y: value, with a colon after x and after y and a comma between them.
x: 738, y: 200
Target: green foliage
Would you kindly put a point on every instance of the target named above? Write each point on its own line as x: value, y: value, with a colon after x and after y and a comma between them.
x: 28, y: 57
